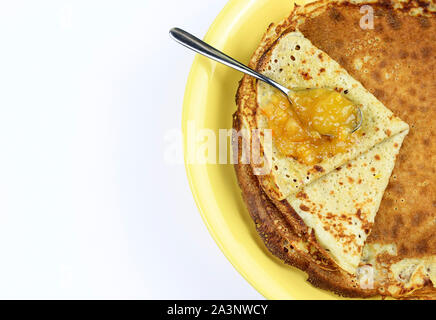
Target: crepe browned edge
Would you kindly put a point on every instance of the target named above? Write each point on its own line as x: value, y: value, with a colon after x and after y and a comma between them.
x: 278, y: 234
x: 405, y: 218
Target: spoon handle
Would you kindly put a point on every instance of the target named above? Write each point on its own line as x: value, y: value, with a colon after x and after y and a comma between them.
x: 201, y: 47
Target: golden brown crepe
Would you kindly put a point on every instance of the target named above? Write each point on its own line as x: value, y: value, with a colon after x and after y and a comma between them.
x: 395, y: 62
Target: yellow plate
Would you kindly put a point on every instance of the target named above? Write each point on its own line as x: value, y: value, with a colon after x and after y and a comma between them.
x: 209, y: 103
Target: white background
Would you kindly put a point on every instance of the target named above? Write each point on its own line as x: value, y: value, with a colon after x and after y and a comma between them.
x: 88, y: 206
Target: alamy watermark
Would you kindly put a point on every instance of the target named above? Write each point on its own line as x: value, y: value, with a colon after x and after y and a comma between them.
x: 367, y: 20
x: 365, y: 274
x: 222, y: 146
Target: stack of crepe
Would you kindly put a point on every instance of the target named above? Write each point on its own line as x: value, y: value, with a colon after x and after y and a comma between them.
x: 361, y: 222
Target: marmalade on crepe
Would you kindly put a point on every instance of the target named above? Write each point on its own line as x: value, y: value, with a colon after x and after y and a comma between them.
x: 318, y: 125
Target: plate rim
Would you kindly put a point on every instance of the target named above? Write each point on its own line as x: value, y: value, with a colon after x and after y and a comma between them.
x: 230, y: 11
x: 230, y: 6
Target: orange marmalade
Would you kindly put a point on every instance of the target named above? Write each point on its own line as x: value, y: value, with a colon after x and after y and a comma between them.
x: 318, y: 124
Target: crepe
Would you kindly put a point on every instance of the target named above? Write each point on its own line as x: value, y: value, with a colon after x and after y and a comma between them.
x: 287, y: 237
x: 399, y: 70
x: 340, y: 207
x: 295, y: 63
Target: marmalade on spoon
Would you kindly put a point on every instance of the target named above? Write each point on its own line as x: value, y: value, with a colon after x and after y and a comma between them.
x: 318, y: 124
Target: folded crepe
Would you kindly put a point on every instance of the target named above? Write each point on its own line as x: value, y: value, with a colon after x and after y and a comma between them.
x: 295, y: 62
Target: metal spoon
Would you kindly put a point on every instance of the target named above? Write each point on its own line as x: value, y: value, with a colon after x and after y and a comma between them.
x: 190, y: 41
